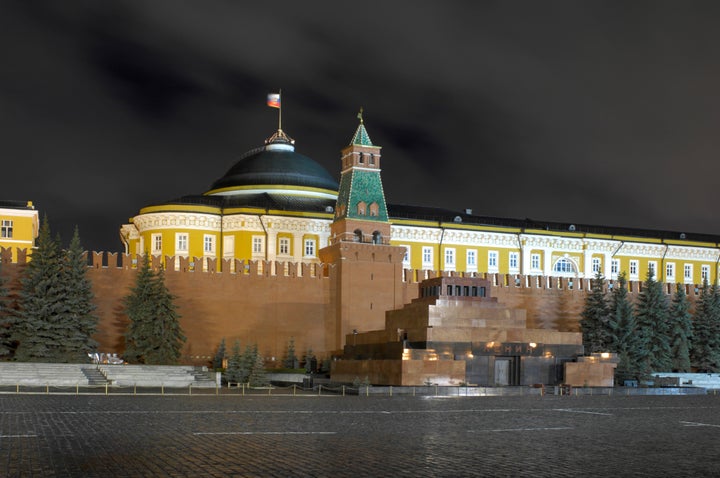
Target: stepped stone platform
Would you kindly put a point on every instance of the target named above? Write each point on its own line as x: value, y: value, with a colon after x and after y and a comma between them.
x: 66, y: 375
x: 156, y: 375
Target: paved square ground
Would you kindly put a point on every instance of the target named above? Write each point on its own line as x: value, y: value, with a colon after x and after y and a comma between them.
x: 285, y: 436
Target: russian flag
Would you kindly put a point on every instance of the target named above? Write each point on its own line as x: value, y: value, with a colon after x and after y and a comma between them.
x: 273, y: 100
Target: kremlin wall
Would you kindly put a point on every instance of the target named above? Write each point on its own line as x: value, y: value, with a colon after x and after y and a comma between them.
x: 268, y: 303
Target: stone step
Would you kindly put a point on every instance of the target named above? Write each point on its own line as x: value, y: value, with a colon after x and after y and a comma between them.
x: 94, y: 376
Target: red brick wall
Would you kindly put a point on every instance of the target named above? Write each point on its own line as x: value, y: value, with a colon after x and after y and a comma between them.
x: 267, y: 309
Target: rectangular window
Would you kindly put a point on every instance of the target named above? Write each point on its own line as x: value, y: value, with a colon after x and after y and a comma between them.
x: 535, y: 262
x: 652, y: 269
x: 284, y: 246
x: 492, y: 261
x: 633, y: 270
x: 427, y: 257
x: 156, y: 242
x: 309, y: 247
x: 258, y: 244
x: 406, y: 257
x: 615, y: 267
x: 182, y: 242
x: 449, y: 258
x: 705, y: 273
x: 6, y: 230
x: 688, y: 273
x: 514, y: 261
x: 471, y: 257
x: 596, y: 265
x: 471, y: 260
x: 209, y: 244
x: 670, y: 272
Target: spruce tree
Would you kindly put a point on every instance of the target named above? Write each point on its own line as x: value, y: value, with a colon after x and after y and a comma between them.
x: 6, y: 345
x: 37, y: 325
x: 680, y: 330
x: 139, y: 308
x: 310, y: 361
x: 290, y: 360
x: 257, y: 376
x: 594, y: 323
x: 219, y: 355
x: 153, y: 335
x: 79, y: 321
x: 653, y: 327
x: 705, y: 347
x: 624, y: 340
x: 233, y: 372
x: 166, y: 331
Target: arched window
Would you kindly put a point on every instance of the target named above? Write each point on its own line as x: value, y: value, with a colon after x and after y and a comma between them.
x: 374, y: 209
x: 564, y: 266
x: 358, y: 235
x: 377, y: 237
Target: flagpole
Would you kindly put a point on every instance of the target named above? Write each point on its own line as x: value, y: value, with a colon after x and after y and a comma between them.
x: 280, y: 111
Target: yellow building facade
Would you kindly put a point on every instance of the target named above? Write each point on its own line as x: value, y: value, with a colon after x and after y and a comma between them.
x: 275, y: 204
x: 19, y: 227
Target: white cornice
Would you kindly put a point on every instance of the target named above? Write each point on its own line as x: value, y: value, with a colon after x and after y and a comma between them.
x: 19, y: 212
x: 176, y: 220
x: 696, y: 253
x: 249, y: 222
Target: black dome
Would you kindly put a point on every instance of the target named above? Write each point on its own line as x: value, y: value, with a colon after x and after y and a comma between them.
x: 275, y: 165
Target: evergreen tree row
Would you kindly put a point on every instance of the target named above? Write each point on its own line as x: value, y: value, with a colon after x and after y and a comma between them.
x: 51, y: 319
x: 246, y: 367
x: 655, y: 334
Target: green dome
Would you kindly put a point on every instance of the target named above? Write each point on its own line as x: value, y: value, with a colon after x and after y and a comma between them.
x: 274, y: 165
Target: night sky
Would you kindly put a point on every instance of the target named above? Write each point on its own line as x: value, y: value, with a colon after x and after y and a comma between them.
x: 603, y: 113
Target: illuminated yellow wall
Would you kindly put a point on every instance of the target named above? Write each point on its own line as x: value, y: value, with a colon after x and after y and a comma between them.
x: 24, y: 230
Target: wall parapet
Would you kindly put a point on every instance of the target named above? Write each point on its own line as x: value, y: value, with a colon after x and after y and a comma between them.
x: 520, y: 281
x: 209, y: 265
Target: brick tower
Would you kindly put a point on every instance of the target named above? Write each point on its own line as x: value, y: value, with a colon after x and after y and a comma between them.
x: 367, y: 270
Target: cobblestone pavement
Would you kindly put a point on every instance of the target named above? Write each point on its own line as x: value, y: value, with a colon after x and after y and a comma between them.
x: 126, y: 436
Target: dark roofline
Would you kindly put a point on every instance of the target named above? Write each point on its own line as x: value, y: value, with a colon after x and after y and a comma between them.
x: 15, y: 204
x: 421, y: 213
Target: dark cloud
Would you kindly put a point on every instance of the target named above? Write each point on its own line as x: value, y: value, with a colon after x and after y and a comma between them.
x: 579, y: 112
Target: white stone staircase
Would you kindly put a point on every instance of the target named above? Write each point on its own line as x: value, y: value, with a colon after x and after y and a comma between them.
x: 66, y: 375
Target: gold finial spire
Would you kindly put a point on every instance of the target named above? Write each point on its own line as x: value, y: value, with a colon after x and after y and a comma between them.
x: 360, y: 114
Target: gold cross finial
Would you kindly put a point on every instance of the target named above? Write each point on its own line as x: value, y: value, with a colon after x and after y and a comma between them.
x: 360, y: 114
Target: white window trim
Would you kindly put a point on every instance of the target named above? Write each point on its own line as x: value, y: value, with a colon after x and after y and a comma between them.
x: 513, y: 269
x: 213, y: 246
x: 449, y: 265
x: 260, y: 241
x: 670, y: 271
x: 471, y: 265
x: 653, y: 265
x: 427, y: 251
x: 406, y: 257
x: 283, y: 241
x: 634, y: 275
x: 7, y: 227
x: 309, y: 243
x: 153, y: 243
x: 493, y: 256
x: 533, y: 267
x: 705, y: 270
x: 180, y: 238
x: 688, y: 277
x: 571, y: 273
